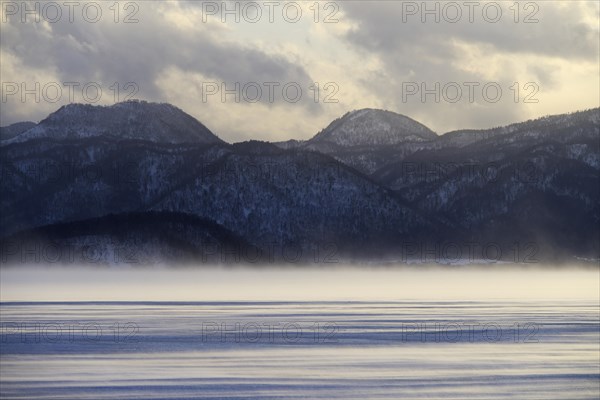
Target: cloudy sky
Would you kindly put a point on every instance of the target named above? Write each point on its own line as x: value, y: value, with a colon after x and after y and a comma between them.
x: 278, y: 70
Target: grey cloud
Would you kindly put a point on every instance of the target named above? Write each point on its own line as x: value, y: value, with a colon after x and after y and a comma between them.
x: 107, y: 52
x: 431, y: 52
x: 560, y: 32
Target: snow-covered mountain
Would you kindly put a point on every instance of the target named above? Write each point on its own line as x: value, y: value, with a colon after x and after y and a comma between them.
x: 556, y: 127
x: 533, y: 185
x: 137, y: 120
x: 369, y: 127
x: 274, y: 199
x: 372, y: 159
x: 367, y: 139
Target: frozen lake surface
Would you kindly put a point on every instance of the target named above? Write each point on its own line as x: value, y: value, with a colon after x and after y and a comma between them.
x: 332, y: 349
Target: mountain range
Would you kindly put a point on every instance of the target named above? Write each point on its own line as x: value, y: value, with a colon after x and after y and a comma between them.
x: 140, y: 182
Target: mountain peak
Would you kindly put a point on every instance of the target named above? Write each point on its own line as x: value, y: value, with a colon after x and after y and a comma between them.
x: 370, y: 126
x: 133, y: 119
